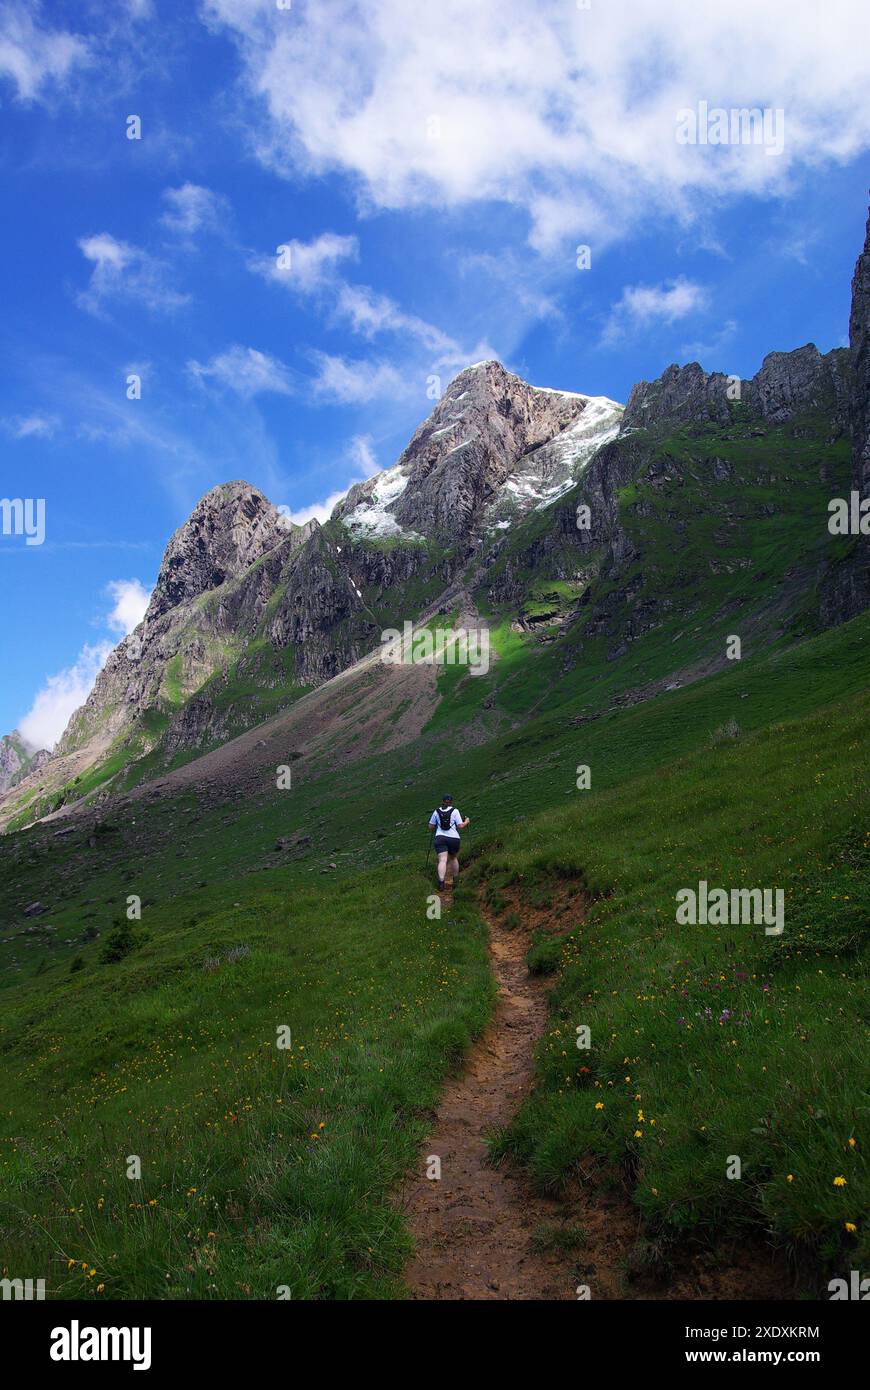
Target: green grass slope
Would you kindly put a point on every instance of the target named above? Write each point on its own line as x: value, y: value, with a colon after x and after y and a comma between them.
x: 158, y: 1038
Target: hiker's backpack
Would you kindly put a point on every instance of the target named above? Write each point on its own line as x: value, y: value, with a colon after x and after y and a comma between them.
x: 445, y: 817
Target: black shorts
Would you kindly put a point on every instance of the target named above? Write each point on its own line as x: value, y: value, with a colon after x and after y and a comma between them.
x: 448, y: 842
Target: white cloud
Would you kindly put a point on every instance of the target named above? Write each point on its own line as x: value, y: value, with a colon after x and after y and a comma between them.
x: 131, y: 603
x: 370, y: 313
x: 310, y: 268
x: 641, y: 305
x: 568, y: 113
x: 305, y: 267
x: 191, y: 208
x: 63, y: 693
x: 246, y: 371
x: 31, y: 426
x: 351, y: 382
x: 33, y: 57
x: 363, y: 455
x: 61, y: 696
x: 321, y: 511
x: 124, y: 272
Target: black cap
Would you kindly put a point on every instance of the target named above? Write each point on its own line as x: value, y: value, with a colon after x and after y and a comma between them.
x: 447, y: 798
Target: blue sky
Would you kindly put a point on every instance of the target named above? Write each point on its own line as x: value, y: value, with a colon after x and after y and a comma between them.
x: 432, y: 171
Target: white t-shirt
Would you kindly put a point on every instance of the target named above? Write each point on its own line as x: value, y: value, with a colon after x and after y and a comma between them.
x: 455, y: 822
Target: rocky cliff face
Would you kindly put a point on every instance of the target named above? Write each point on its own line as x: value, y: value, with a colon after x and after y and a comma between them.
x: 492, y: 448
x: 17, y: 761
x: 230, y: 528
x: 845, y: 591
x: 788, y: 384
x: 859, y: 342
x: 182, y: 639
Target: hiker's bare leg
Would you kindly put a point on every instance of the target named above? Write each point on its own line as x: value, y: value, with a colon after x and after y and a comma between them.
x: 453, y: 865
x: 442, y: 864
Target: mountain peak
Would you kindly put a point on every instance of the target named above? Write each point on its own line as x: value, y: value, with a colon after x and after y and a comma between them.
x: 228, y: 529
x: 786, y: 384
x: 481, y: 456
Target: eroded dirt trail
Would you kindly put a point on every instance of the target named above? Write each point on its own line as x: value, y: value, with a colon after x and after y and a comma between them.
x: 478, y: 1230
x: 474, y: 1229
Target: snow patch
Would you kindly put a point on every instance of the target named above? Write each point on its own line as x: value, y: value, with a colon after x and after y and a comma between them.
x: 372, y: 517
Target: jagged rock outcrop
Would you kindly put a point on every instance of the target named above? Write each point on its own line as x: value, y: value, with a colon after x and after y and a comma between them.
x: 472, y: 452
x: 788, y: 384
x: 182, y: 640
x: 859, y: 342
x: 230, y: 528
x: 845, y: 591
x: 17, y: 761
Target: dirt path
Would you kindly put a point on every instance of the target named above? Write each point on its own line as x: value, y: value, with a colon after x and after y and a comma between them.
x: 474, y: 1229
x: 478, y: 1231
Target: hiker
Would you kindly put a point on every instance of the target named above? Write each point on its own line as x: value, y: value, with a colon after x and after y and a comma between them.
x: 447, y: 822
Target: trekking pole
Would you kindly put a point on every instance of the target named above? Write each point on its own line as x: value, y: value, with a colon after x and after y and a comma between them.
x: 429, y: 850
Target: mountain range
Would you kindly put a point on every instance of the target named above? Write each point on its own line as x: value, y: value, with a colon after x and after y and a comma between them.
x: 621, y: 546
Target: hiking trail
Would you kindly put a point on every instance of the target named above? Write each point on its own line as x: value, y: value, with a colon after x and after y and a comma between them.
x: 482, y: 1231
x: 475, y: 1229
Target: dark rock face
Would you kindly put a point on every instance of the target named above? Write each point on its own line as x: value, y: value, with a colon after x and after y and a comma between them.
x: 787, y: 384
x: 845, y: 591
x: 859, y: 342
x: 230, y: 528
x: 679, y: 395
x: 459, y: 458
x: 16, y: 761
x: 793, y: 383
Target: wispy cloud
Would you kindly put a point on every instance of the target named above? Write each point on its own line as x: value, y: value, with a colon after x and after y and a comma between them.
x: 311, y: 269
x: 34, y: 57
x: 639, y: 306
x: 191, y: 208
x: 122, y: 272
x: 244, y: 370
x: 61, y: 696
x: 31, y: 426
x: 306, y: 267
x: 348, y: 382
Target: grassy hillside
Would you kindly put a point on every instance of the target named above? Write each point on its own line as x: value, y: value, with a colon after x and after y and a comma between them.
x: 712, y: 1041
x: 158, y: 1038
